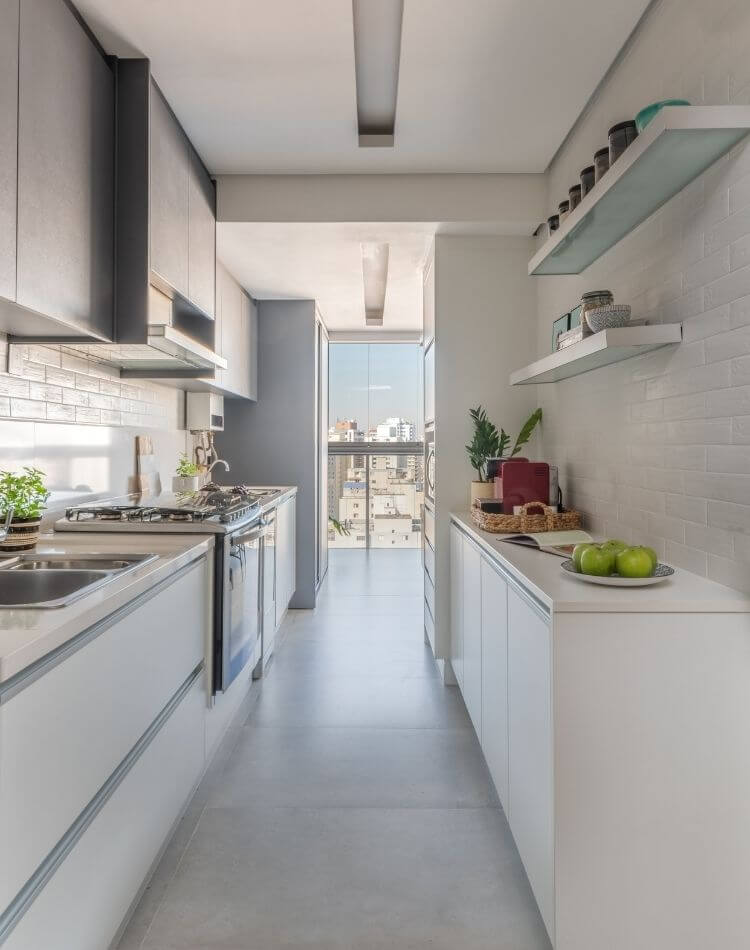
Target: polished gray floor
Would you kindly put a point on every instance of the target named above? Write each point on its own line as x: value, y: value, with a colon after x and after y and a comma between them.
x: 353, y: 808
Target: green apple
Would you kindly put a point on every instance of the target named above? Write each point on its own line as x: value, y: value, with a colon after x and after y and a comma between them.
x: 635, y: 562
x: 578, y: 552
x: 616, y: 545
x: 652, y: 554
x: 598, y: 560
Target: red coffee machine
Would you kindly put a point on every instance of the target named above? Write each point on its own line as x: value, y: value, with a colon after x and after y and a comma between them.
x: 522, y: 481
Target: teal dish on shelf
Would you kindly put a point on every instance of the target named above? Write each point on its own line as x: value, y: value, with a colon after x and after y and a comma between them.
x: 646, y: 114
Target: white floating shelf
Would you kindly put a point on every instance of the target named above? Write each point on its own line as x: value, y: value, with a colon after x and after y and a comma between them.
x: 599, y: 349
x: 676, y: 146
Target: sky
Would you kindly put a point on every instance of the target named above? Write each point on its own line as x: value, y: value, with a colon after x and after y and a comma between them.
x: 371, y: 381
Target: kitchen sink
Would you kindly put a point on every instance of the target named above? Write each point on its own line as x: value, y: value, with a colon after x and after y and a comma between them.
x: 50, y: 580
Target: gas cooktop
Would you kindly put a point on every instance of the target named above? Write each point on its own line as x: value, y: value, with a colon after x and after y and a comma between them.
x: 214, y: 509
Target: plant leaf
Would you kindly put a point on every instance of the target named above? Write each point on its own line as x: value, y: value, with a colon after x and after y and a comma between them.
x: 526, y: 430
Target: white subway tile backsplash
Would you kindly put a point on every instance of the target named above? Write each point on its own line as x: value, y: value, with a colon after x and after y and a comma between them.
x: 729, y: 458
x: 706, y: 270
x: 706, y: 324
x: 690, y: 559
x: 725, y: 289
x: 27, y: 409
x: 729, y: 572
x: 712, y: 540
x: 59, y: 413
x: 725, y: 346
x: 729, y: 517
x: 687, y: 508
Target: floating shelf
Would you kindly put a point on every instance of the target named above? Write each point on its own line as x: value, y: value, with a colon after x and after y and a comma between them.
x: 676, y: 146
x: 599, y: 349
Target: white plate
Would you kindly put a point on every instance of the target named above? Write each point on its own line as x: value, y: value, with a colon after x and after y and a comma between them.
x: 663, y: 571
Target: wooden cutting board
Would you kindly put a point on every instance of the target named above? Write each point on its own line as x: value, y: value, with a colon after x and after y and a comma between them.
x: 147, y: 480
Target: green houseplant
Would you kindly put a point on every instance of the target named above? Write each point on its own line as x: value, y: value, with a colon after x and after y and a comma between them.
x: 26, y: 493
x: 488, y: 443
x: 187, y: 475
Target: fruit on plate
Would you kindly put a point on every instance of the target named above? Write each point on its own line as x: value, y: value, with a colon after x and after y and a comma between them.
x: 598, y: 560
x: 614, y: 544
x: 578, y: 553
x: 636, y: 562
x: 654, y: 556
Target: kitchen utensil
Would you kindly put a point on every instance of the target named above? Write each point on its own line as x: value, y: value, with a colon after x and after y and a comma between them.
x: 661, y: 573
x: 648, y: 112
x: 606, y: 318
x: 147, y: 466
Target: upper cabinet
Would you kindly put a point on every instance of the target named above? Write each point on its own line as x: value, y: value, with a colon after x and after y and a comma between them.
x: 236, y: 337
x: 8, y: 145
x: 57, y: 93
x: 166, y: 214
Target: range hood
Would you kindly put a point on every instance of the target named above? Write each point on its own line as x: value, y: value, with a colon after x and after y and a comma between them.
x: 166, y: 349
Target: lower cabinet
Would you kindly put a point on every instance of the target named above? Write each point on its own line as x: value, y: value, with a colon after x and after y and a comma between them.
x: 472, y: 633
x: 495, y: 678
x: 286, y: 546
x: 93, y: 889
x: 457, y: 605
x: 530, y: 748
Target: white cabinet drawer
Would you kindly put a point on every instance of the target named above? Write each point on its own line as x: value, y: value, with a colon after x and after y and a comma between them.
x: 429, y: 626
x: 63, y: 735
x: 429, y: 526
x: 429, y: 593
x: 87, y: 898
x: 429, y: 561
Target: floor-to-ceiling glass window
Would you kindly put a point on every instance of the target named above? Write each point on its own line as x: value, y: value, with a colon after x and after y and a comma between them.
x: 375, y: 465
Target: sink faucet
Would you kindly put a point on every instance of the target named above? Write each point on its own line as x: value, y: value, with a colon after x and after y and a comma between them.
x: 216, y: 462
x: 4, y: 531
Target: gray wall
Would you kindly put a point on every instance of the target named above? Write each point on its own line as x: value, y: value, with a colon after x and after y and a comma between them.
x: 272, y: 442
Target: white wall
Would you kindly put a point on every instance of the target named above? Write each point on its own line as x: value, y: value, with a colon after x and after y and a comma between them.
x: 657, y: 449
x: 484, y: 328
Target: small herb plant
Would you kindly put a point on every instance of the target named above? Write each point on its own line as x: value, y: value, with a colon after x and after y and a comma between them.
x: 338, y: 527
x: 186, y: 468
x: 488, y: 443
x: 25, y: 492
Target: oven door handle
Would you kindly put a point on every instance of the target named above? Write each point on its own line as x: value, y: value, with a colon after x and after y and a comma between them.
x: 247, y: 538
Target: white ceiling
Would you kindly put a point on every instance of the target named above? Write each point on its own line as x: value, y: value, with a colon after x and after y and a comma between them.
x: 324, y: 262
x: 268, y: 85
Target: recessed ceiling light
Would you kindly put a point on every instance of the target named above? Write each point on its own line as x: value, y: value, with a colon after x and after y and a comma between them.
x: 377, y: 53
x: 374, y: 279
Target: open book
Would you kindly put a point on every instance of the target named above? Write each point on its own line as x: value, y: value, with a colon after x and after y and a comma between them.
x: 560, y: 543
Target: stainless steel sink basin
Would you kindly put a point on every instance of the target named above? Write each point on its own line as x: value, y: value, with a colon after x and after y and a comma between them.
x: 51, y: 580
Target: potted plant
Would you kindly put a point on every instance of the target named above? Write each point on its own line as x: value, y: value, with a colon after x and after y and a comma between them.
x: 27, y: 495
x: 488, y: 443
x: 187, y: 476
x: 484, y: 445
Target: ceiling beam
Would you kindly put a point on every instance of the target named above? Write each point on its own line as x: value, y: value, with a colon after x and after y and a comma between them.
x: 497, y: 204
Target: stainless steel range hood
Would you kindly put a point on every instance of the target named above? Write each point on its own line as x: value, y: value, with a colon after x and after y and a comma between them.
x: 166, y: 348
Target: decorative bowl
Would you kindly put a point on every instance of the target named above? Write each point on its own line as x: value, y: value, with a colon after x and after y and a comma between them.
x: 648, y: 112
x: 661, y: 573
x: 606, y: 318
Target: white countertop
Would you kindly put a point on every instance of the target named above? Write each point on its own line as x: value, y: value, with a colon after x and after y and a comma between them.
x: 542, y: 575
x: 27, y: 635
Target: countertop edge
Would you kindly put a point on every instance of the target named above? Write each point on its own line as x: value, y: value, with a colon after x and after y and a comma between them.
x: 609, y: 599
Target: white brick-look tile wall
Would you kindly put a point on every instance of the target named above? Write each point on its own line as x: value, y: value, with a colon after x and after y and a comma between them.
x: 657, y: 449
x: 52, y: 383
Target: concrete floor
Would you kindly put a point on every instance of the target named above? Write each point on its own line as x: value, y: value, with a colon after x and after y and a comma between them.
x: 350, y: 807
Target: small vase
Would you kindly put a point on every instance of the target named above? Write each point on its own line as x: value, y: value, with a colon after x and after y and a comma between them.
x: 185, y: 483
x: 23, y: 535
x: 481, y: 490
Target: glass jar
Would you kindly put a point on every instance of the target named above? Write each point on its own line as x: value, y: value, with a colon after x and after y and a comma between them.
x: 592, y: 300
x: 574, y: 196
x: 601, y: 163
x: 588, y: 180
x: 620, y: 136
x: 564, y: 209
x: 553, y: 223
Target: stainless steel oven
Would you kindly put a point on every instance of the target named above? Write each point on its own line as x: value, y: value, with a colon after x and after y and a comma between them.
x: 239, y: 603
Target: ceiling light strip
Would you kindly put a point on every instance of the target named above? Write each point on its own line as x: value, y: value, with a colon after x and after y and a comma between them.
x: 377, y: 54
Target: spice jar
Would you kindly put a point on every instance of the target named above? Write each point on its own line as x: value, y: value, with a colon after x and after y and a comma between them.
x: 620, y: 136
x: 574, y: 196
x: 588, y: 179
x: 601, y: 163
x: 592, y: 300
x: 564, y: 208
x: 553, y: 223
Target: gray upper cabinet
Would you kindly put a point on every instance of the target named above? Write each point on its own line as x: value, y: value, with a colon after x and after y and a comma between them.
x: 201, y: 236
x: 236, y: 337
x: 8, y: 145
x: 65, y: 223
x: 170, y: 191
